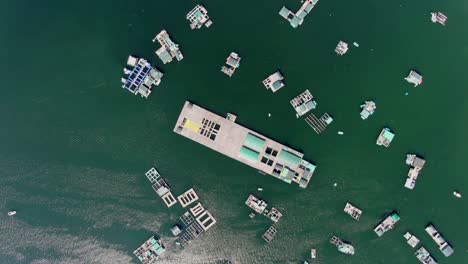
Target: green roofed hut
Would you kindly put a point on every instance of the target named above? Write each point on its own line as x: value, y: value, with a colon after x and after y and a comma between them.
x: 289, y: 158
x: 274, y: 82
x: 249, y: 154
x: 254, y: 142
x: 198, y: 17
x: 385, y: 138
x: 169, y: 49
x: 286, y: 13
x: 387, y: 224
x: 296, y: 19
x: 150, y: 251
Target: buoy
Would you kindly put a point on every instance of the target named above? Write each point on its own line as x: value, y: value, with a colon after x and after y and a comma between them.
x: 269, y: 114
x: 335, y: 184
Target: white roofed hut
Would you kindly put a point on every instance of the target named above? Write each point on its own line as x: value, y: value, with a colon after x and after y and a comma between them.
x: 198, y: 17
x: 414, y: 78
x: 341, y: 48
x: 439, y: 18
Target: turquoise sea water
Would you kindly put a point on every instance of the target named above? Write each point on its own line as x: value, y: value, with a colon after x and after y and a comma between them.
x: 74, y: 146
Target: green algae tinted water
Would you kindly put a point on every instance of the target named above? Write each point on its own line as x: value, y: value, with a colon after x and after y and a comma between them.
x: 74, y: 146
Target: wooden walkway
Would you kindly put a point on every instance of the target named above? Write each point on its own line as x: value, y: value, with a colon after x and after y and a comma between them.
x: 318, y: 124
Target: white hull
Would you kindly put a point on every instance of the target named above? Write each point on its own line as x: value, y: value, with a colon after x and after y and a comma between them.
x: 313, y: 253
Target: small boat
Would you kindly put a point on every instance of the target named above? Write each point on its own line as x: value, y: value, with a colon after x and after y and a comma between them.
x: 259, y: 189
x: 313, y: 253
x: 340, y: 132
x: 11, y: 213
x: 457, y: 194
x: 356, y: 44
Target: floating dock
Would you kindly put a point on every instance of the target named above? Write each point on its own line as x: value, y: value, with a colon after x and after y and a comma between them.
x: 269, y: 234
x: 141, y: 78
x: 197, y: 209
x: 232, y: 63
x: 150, y: 251
x: 187, y: 197
x: 385, y: 138
x: 353, y: 211
x: 169, y: 49
x: 256, y: 204
x: 274, y: 82
x: 341, y: 48
x: 414, y: 78
x: 187, y: 218
x: 387, y: 224
x: 205, y: 220
x: 274, y: 214
x: 319, y: 124
x: 198, y: 17
x: 303, y: 103
x: 368, y: 109
x: 196, y: 221
x: 444, y: 246
x: 161, y: 187
x: 192, y: 231
x: 296, y: 19
x: 260, y: 207
x: 424, y: 257
x: 411, y: 240
x: 244, y: 145
x: 417, y: 165
x: 439, y: 18
x: 342, y: 246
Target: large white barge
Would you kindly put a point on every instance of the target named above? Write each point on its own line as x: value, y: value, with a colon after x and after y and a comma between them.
x: 251, y: 148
